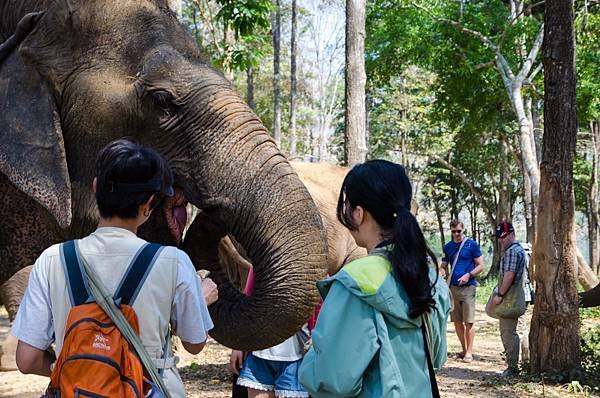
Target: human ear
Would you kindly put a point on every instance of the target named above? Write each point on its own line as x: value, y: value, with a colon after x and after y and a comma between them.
x: 359, y: 215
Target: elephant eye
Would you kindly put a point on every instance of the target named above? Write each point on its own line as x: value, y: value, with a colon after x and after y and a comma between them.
x: 164, y: 101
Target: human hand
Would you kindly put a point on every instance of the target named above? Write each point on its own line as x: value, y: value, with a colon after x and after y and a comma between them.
x: 442, y: 272
x: 210, y: 290
x: 497, y: 300
x: 464, y: 279
x: 307, y: 345
x: 236, y: 359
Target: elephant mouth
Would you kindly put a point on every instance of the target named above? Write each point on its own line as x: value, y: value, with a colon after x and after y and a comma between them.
x: 175, y: 211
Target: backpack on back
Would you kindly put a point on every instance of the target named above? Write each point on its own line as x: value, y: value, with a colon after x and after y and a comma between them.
x: 96, y: 360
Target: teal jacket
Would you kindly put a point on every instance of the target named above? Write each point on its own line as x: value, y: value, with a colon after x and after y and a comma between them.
x: 364, y: 343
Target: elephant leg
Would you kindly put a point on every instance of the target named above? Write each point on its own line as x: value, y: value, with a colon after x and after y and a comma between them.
x: 11, y: 294
x: 12, y: 291
x: 26, y: 230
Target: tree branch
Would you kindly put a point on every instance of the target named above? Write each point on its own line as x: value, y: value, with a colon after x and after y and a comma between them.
x: 515, y: 18
x: 484, y: 39
x: 537, y: 69
x: 486, y: 64
x: 467, y: 182
x: 537, y: 45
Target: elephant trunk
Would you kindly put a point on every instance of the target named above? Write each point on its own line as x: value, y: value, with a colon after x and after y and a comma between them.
x: 255, y: 196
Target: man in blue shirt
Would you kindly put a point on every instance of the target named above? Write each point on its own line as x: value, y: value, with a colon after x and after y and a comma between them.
x: 464, y: 256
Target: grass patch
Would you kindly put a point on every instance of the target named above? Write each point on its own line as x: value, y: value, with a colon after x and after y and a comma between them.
x: 484, y: 290
x: 589, y: 313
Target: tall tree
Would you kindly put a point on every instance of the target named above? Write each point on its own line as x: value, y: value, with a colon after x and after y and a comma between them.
x: 355, y: 113
x: 276, y: 27
x: 555, y: 324
x: 250, y: 88
x: 175, y: 5
x: 293, y: 81
x: 592, y: 200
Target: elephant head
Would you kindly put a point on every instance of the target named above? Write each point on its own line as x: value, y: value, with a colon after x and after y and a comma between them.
x: 75, y: 74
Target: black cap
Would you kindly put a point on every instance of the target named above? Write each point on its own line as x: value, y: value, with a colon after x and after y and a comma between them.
x: 503, y: 229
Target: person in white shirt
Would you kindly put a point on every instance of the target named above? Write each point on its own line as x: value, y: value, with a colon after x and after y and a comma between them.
x: 130, y: 182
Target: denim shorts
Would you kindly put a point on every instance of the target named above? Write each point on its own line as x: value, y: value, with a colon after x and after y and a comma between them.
x: 268, y: 375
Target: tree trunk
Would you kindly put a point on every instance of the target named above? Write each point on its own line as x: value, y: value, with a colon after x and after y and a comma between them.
x: 585, y: 275
x: 503, y: 209
x: 355, y: 113
x: 528, y: 207
x: 175, y: 6
x: 528, y: 156
x: 440, y: 221
x: 555, y: 325
x: 592, y: 200
x: 227, y: 67
x: 293, y: 51
x: 276, y: 27
x: 250, y: 88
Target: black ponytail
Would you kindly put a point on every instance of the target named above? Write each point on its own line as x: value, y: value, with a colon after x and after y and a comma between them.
x: 410, y: 262
x: 383, y: 189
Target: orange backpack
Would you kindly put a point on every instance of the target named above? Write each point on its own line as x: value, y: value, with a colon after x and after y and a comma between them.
x: 96, y: 360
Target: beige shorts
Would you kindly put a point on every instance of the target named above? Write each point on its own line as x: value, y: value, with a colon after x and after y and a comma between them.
x: 464, y: 304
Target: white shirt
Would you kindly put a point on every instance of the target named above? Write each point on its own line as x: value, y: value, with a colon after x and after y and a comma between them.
x: 171, y: 293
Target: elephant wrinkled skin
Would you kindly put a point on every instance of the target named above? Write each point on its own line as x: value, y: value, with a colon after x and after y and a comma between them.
x: 75, y: 75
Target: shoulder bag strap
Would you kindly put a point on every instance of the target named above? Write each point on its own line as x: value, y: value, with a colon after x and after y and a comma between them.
x: 106, y: 301
x: 136, y: 274
x: 434, y: 387
x: 451, y: 270
x: 79, y: 292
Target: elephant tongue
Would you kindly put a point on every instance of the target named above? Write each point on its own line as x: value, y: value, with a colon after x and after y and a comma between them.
x: 180, y: 216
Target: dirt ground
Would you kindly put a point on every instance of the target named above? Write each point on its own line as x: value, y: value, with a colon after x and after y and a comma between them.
x: 206, y: 375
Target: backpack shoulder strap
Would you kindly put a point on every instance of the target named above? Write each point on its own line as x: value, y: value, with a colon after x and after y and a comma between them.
x: 77, y: 286
x: 136, y: 273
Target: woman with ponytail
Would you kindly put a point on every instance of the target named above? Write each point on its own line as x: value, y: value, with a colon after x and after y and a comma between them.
x: 382, y: 328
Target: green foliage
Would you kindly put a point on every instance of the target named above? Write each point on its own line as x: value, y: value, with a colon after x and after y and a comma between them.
x: 587, y: 26
x: 484, y: 290
x: 247, y: 22
x: 590, y: 357
x: 582, y: 173
x: 245, y: 17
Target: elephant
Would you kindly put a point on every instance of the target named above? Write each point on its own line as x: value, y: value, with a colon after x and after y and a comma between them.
x: 323, y: 182
x: 12, y: 291
x: 76, y: 75
x: 590, y: 298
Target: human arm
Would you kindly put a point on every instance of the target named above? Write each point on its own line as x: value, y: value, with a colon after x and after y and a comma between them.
x: 33, y: 326
x: 33, y: 360
x: 210, y: 290
x: 473, y: 273
x: 346, y: 329
x: 189, y: 314
x: 444, y: 269
x: 445, y: 262
x: 236, y: 359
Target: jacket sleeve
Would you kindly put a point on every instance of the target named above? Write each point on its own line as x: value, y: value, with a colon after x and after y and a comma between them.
x: 344, y: 343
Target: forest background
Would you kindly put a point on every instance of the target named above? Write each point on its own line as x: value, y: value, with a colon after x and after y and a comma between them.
x: 454, y: 92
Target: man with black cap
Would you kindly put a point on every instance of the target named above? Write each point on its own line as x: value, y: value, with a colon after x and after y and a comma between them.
x: 129, y: 183
x: 513, y: 267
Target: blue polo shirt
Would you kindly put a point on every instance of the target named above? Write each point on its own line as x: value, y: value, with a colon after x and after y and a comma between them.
x: 465, y: 261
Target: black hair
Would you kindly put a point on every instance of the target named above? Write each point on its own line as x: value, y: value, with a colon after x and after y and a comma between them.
x: 383, y: 189
x: 124, y: 162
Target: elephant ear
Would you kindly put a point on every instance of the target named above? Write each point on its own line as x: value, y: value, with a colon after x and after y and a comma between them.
x: 32, y: 152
